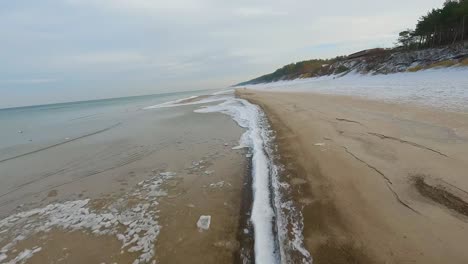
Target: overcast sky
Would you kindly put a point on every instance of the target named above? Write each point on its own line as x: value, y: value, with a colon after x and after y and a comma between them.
x: 68, y: 50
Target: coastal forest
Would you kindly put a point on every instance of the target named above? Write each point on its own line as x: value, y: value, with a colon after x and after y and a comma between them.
x: 440, y: 27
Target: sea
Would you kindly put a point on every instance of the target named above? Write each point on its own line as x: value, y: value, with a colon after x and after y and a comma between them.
x: 138, y: 172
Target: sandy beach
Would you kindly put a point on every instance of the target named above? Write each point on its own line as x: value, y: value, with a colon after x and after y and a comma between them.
x: 378, y: 182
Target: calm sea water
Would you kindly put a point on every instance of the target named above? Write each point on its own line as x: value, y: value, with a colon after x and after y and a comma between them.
x: 52, y: 123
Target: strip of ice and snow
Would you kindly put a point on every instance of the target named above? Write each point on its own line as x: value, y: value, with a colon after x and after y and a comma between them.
x: 445, y: 88
x: 271, y: 212
x: 268, y: 214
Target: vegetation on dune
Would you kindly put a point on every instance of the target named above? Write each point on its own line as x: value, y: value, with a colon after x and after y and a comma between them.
x: 441, y: 26
x: 303, y: 69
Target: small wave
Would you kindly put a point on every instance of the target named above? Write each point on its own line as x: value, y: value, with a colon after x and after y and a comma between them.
x: 61, y: 143
x: 180, y: 102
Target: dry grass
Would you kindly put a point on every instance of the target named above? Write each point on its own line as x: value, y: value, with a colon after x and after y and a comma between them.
x: 416, y: 68
x: 440, y: 64
x: 464, y: 62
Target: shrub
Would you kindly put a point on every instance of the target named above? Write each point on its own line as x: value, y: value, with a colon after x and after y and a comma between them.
x: 341, y: 69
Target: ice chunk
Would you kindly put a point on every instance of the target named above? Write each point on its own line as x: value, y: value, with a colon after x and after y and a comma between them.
x: 203, y: 223
x: 167, y: 174
x: 217, y: 185
x: 239, y: 147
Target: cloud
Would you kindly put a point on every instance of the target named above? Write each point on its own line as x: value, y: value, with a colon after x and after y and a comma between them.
x: 145, y: 46
x: 257, y: 11
x: 100, y: 59
x: 28, y: 81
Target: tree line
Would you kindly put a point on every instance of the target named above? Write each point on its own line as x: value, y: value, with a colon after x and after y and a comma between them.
x: 441, y: 26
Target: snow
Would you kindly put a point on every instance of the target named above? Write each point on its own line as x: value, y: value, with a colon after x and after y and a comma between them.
x: 445, y: 88
x: 203, y: 223
x: 24, y: 255
x: 252, y: 118
x: 269, y: 247
x: 220, y: 184
x: 135, y: 226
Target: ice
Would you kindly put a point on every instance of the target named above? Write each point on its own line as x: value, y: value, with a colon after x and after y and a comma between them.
x: 24, y: 255
x: 220, y: 184
x: 168, y: 174
x: 136, y: 226
x: 258, y: 138
x: 239, y: 147
x: 203, y: 222
x: 253, y: 119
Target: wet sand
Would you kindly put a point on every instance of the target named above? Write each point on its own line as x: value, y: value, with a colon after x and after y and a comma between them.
x: 174, y: 163
x: 378, y: 182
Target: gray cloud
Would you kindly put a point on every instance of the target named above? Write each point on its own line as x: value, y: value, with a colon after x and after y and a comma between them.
x: 108, y: 48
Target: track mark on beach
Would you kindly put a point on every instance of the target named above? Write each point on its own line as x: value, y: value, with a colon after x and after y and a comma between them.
x: 350, y: 121
x: 382, y: 136
x: 388, y: 182
x: 61, y: 143
x: 442, y: 193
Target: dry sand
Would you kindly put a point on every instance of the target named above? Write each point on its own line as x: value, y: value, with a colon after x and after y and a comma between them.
x: 379, y: 182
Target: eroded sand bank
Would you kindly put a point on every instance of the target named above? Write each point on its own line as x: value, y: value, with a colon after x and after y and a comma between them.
x: 379, y: 182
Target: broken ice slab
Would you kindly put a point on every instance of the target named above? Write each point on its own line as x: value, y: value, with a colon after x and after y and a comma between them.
x: 167, y: 174
x: 203, y: 223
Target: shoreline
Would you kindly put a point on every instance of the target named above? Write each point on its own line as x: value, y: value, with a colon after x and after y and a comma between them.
x: 351, y: 163
x: 131, y: 194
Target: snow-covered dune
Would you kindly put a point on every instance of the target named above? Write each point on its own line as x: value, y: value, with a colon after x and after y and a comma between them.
x: 445, y: 88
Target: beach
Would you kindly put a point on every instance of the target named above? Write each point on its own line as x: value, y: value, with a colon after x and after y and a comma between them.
x: 293, y: 172
x: 114, y: 182
x: 377, y: 181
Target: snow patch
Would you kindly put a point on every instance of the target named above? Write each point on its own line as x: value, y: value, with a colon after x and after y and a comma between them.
x: 135, y: 226
x: 23, y: 255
